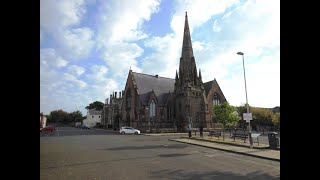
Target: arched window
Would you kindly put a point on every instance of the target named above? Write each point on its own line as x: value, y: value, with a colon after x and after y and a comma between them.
x: 216, y: 99
x: 152, y: 109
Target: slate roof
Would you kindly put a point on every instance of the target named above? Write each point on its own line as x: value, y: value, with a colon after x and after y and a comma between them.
x: 95, y: 112
x: 207, y: 86
x: 160, y: 85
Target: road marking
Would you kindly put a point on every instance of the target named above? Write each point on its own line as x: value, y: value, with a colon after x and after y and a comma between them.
x: 210, y: 155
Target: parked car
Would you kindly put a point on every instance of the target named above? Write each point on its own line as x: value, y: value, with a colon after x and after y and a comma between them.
x: 83, y: 127
x: 129, y: 130
x: 48, y: 129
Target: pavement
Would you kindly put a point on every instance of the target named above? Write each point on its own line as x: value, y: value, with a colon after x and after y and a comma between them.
x: 239, y: 147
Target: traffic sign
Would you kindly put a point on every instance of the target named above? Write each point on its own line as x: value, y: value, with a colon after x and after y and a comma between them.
x: 247, y: 116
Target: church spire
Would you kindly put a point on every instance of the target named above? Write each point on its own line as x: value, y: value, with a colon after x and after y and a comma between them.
x: 176, y: 74
x: 187, y: 51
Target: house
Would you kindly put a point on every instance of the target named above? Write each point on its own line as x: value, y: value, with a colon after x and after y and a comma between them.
x: 93, y: 118
x: 153, y: 103
x: 111, y: 111
x: 43, y: 120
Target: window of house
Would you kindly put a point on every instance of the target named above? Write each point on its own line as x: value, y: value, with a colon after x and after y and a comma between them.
x: 216, y: 99
x: 92, y: 116
x: 152, y: 109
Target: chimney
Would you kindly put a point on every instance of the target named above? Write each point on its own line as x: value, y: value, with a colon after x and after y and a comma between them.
x: 110, y: 98
x: 115, y: 95
x: 120, y: 94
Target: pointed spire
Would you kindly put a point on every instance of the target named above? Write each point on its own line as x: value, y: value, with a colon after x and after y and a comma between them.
x: 187, y: 51
x: 176, y: 74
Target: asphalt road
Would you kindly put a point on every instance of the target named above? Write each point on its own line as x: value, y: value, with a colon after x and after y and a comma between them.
x: 93, y: 154
x: 72, y: 131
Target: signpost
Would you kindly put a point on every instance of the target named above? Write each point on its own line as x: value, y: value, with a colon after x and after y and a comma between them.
x: 247, y: 117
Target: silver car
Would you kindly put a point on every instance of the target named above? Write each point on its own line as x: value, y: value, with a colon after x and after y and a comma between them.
x: 129, y: 130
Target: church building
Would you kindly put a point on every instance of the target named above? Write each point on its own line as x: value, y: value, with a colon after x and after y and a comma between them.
x: 152, y: 103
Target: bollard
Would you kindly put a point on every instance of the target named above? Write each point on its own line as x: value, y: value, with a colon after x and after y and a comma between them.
x: 189, y: 133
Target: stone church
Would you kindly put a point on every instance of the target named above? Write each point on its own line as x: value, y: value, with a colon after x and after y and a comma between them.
x: 154, y: 103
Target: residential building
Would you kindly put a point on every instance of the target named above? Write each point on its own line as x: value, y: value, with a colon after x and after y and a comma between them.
x: 93, y: 118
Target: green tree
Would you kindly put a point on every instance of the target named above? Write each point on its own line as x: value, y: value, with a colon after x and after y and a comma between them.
x: 97, y: 105
x: 224, y: 113
x: 76, y: 116
x: 243, y: 109
x: 276, y: 119
x: 261, y: 116
x: 58, y: 116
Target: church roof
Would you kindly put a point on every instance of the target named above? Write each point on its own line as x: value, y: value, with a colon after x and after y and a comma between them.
x: 159, y: 85
x: 208, y: 85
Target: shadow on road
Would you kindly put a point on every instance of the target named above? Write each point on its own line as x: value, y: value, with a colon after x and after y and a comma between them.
x: 173, y: 146
x: 216, y: 175
x: 172, y: 155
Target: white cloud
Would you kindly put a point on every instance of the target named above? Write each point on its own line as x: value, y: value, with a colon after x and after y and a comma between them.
x: 216, y: 27
x: 217, y: 57
x: 122, y: 20
x: 78, y: 42
x: 168, y: 48
x: 73, y: 79
x: 59, y: 20
x: 199, y: 12
x: 76, y: 70
x: 121, y: 25
x: 59, y: 14
x: 99, y: 73
x: 49, y: 56
x: 120, y: 56
x: 164, y: 61
x: 263, y: 83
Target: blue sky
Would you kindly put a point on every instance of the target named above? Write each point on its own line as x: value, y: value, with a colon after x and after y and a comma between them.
x: 88, y: 46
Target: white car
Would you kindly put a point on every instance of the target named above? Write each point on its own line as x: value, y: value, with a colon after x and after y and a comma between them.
x: 129, y: 130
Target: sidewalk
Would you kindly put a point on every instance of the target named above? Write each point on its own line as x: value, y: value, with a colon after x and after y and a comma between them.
x: 260, y: 151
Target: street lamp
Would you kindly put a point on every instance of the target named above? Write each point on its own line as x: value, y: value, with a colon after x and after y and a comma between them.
x: 244, y: 73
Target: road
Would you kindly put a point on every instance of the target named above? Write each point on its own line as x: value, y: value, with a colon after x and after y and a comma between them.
x: 93, y: 154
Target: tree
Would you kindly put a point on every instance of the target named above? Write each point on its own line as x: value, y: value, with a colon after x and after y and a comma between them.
x: 76, y: 116
x: 224, y: 113
x: 58, y: 116
x: 97, y: 105
x: 243, y: 109
x: 276, y: 119
x: 262, y: 116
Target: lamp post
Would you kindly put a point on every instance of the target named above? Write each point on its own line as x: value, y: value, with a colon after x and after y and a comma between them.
x: 245, y: 83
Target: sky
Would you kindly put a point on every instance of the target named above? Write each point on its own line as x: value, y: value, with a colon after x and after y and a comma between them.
x: 87, y: 47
